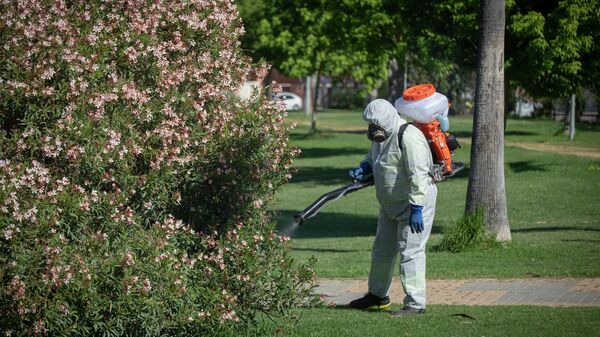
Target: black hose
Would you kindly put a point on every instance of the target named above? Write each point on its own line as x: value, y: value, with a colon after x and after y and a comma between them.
x: 312, y: 210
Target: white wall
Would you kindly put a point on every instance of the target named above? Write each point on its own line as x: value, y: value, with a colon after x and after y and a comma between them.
x: 245, y: 91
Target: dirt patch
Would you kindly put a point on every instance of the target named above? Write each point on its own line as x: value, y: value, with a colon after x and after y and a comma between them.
x: 559, y: 149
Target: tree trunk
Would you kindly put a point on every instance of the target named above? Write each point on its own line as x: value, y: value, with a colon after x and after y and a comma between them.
x: 518, y: 104
x: 395, y: 80
x: 307, y: 85
x: 505, y: 107
x: 313, y: 124
x: 566, y: 122
x: 486, y: 186
x: 572, y: 118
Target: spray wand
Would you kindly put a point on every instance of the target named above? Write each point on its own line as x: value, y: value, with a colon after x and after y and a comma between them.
x: 314, y: 208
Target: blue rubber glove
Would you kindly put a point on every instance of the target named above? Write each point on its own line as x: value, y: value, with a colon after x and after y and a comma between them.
x: 416, y: 219
x: 358, y: 173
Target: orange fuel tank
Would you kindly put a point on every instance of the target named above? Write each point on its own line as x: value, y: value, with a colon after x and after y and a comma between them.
x: 438, y: 144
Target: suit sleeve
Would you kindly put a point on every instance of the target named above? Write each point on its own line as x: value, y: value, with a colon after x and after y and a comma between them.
x: 418, y: 162
x: 368, y: 158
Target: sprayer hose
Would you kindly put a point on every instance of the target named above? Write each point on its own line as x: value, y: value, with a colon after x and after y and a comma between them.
x: 313, y: 208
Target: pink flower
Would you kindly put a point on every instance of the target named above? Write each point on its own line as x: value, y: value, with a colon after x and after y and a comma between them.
x: 39, y: 328
x: 47, y: 74
x: 85, y: 205
x: 128, y: 259
x: 230, y: 315
x: 92, y: 38
x: 275, y: 87
x: 262, y: 72
x: 114, y: 139
x: 131, y: 93
x: 17, y: 288
x: 146, y: 285
x: 75, y: 152
x: 203, y: 314
x: 9, y: 231
x: 132, y: 54
x: 48, y: 91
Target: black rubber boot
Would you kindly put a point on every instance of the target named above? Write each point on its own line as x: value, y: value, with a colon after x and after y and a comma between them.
x: 370, y: 302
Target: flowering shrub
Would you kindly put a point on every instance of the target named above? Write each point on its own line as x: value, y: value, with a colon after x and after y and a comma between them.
x: 133, y: 184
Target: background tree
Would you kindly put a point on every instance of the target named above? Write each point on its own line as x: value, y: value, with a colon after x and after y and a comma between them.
x: 320, y: 37
x: 486, y: 177
x: 590, y: 60
x: 550, y: 45
x: 441, y: 40
x: 251, y: 14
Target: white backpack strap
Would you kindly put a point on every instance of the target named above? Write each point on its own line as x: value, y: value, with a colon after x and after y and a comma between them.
x: 435, y: 171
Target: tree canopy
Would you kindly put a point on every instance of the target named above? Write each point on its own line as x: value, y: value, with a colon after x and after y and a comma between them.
x: 339, y: 38
x: 549, y: 44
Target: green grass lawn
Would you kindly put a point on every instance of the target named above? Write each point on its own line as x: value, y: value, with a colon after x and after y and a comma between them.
x: 442, y: 320
x: 554, y: 213
x: 550, y: 132
x: 553, y: 203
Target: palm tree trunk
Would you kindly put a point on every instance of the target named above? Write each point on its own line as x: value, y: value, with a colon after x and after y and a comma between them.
x: 486, y: 186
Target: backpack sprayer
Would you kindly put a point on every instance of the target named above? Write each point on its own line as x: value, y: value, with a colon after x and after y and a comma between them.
x: 429, y: 111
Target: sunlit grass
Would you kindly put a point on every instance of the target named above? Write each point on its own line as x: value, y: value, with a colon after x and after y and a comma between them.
x: 552, y: 204
x: 442, y: 320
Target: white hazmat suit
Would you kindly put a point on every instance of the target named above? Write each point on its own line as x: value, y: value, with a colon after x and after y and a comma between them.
x: 402, y: 177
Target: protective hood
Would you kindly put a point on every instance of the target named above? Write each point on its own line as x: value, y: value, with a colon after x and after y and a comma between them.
x: 383, y: 114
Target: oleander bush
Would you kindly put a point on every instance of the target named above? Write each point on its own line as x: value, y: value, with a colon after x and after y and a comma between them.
x: 134, y: 186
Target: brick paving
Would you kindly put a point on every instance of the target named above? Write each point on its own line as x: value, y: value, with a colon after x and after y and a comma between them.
x: 536, y: 291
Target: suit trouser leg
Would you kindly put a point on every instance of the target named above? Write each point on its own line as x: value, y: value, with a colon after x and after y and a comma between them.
x: 383, y: 255
x: 412, y: 255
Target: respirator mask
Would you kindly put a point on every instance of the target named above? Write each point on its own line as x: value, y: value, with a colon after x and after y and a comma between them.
x: 376, y: 133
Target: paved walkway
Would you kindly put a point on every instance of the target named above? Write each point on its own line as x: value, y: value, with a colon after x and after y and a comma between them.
x: 535, y: 291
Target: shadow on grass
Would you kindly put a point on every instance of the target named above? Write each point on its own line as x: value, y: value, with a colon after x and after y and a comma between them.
x: 330, y: 225
x: 526, y: 166
x: 386, y: 312
x: 520, y: 133
x: 322, y: 176
x: 322, y: 152
x: 581, y: 240
x: 333, y: 225
x: 595, y: 127
x: 339, y: 176
x: 311, y: 135
x: 352, y: 132
x: 553, y: 229
x: 560, y: 132
x: 462, y: 134
x: 326, y: 250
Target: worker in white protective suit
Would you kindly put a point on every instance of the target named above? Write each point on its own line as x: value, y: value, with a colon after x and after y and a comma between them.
x: 401, y: 169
